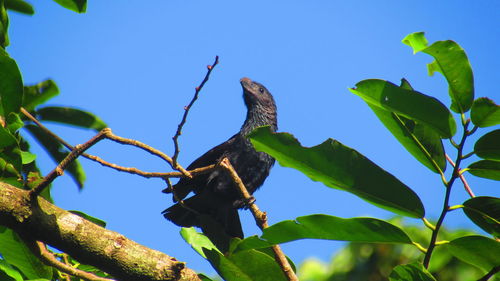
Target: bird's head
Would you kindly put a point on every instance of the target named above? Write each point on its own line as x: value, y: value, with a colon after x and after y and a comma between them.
x: 256, y: 95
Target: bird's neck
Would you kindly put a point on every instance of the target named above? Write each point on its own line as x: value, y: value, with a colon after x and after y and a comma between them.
x: 257, y: 117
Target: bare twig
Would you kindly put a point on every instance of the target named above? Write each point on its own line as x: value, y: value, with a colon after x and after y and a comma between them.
x: 59, y: 170
x: 260, y: 218
x: 462, y: 178
x: 186, y: 111
x: 51, y: 260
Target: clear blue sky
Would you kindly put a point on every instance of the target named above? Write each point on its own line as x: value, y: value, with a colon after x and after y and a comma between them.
x: 136, y: 64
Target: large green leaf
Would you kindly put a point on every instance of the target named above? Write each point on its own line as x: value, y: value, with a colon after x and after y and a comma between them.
x: 485, y: 113
x: 19, y: 6
x: 340, y: 167
x: 452, y: 62
x: 56, y: 151
x: 485, y: 212
x: 368, y: 230
x: 197, y: 240
x: 39, y: 93
x: 79, y: 6
x: 477, y: 250
x: 411, y: 272
x: 71, y: 116
x: 488, y: 146
x: 408, y: 103
x: 420, y: 140
x: 488, y: 169
x: 11, y: 85
x: 15, y: 252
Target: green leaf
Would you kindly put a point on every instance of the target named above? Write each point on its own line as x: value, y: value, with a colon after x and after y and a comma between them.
x: 340, y: 167
x: 11, y: 161
x: 19, y: 6
x: 421, y: 141
x: 477, y: 250
x: 452, y: 62
x: 6, y: 138
x: 15, y: 252
x: 488, y: 146
x: 14, y: 122
x: 27, y: 157
x: 79, y: 6
x: 197, y: 240
x: 411, y: 272
x: 8, y: 273
x: 485, y: 113
x: 40, y: 93
x: 56, y: 151
x: 488, y: 169
x: 89, y: 218
x: 71, y: 116
x: 484, y: 211
x: 11, y: 85
x: 408, y: 103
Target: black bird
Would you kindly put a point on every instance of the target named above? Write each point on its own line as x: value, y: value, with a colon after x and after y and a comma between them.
x: 216, y: 197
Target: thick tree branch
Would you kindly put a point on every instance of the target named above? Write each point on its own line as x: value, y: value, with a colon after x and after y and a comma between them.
x: 85, y: 241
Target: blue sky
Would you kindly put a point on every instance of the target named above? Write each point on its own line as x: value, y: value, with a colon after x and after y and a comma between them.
x: 136, y: 64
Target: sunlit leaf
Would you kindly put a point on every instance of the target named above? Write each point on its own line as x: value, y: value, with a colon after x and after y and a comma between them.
x: 11, y: 85
x: 410, y: 104
x: 484, y: 211
x: 40, y: 93
x: 488, y: 146
x: 71, y: 116
x: 79, y: 6
x: 485, y: 113
x: 9, y: 273
x: 411, y: 272
x: 27, y: 157
x: 452, y: 62
x: 197, y: 240
x: 488, y: 169
x: 340, y: 167
x: 477, y: 250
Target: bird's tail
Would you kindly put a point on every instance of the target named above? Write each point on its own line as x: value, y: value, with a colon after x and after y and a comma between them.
x: 218, y: 222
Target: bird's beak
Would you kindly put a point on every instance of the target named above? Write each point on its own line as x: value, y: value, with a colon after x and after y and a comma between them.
x: 245, y: 82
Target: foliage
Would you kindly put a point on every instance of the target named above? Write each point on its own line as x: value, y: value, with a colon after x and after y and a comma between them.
x: 419, y: 122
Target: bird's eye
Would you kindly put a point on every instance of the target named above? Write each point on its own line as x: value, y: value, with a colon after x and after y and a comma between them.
x: 261, y: 90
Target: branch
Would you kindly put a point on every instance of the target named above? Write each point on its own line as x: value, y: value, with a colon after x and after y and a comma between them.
x: 260, y: 219
x: 186, y: 111
x: 87, y: 242
x: 462, y: 178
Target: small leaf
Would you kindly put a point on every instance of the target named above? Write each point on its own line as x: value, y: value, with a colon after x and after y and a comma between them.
x: 477, y: 250
x: 40, y: 93
x: 452, y: 62
x: 11, y: 85
x: 15, y: 252
x: 411, y: 272
x: 484, y: 211
x: 410, y: 104
x: 79, y: 6
x: 6, y: 138
x: 27, y: 157
x: 8, y: 273
x: 19, y: 6
x: 488, y: 146
x: 485, y: 113
x: 488, y: 169
x: 340, y: 167
x: 90, y: 218
x: 14, y: 123
x: 197, y: 240
x: 71, y: 116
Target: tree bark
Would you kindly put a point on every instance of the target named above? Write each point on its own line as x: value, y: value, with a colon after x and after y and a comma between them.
x: 85, y: 241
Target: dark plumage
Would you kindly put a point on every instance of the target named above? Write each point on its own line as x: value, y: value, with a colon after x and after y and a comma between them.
x: 216, y: 197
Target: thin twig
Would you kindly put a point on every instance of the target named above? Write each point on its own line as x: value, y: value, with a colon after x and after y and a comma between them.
x: 186, y: 111
x: 462, y: 178
x: 490, y: 274
x: 51, y: 260
x: 260, y: 218
x: 59, y: 170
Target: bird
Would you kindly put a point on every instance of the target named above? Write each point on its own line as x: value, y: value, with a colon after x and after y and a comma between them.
x: 216, y: 200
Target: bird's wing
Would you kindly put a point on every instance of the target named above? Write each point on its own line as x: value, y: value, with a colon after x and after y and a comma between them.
x: 186, y: 185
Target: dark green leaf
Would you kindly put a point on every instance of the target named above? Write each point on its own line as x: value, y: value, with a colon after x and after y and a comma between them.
x: 71, y: 116
x: 79, y: 6
x: 6, y: 138
x: 197, y: 240
x: 19, y: 6
x: 14, y: 123
x: 340, y: 167
x: 11, y: 85
x: 89, y: 218
x: 411, y: 272
x: 488, y: 146
x: 8, y: 273
x: 39, y: 93
x: 11, y: 161
x: 488, y: 169
x: 410, y: 104
x: 485, y: 113
x: 484, y: 211
x: 227, y: 269
x: 18, y: 254
x: 477, y: 250
x: 452, y: 62
x: 56, y: 151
